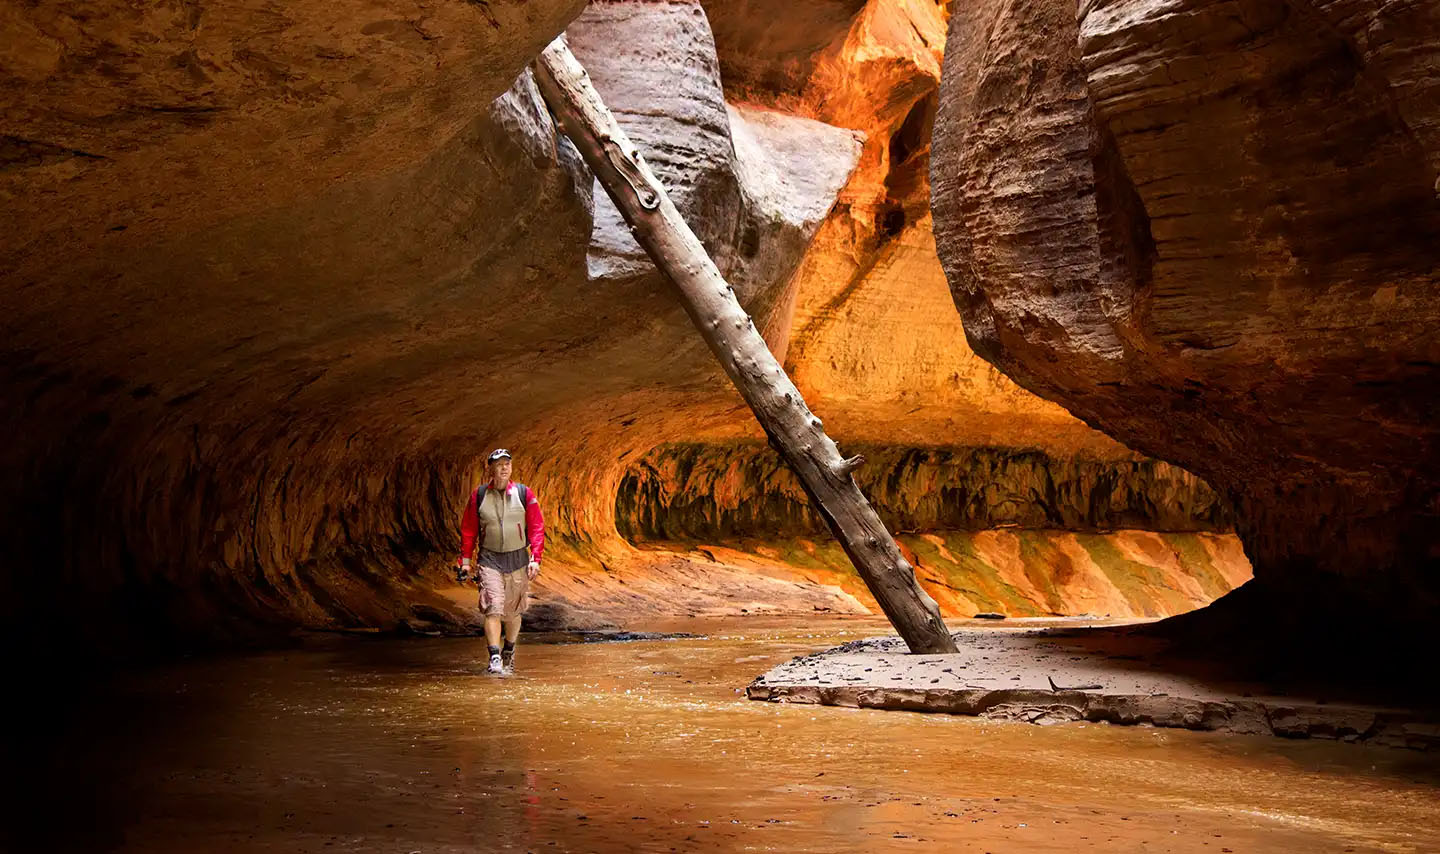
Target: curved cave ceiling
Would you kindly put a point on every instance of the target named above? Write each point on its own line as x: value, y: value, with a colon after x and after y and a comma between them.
x: 275, y: 279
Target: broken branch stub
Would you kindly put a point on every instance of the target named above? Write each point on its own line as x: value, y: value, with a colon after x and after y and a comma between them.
x: 794, y: 431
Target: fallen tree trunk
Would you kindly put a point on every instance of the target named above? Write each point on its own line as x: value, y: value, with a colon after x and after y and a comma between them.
x: 794, y: 431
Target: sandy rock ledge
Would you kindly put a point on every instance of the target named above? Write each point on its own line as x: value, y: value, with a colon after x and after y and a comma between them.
x: 1050, y: 676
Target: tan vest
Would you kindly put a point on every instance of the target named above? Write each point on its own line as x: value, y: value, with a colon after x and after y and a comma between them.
x: 502, y: 519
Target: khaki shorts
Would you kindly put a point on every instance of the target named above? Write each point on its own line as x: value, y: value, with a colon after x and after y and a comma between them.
x: 504, y: 594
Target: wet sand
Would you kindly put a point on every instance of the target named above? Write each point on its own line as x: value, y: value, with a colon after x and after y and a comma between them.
x: 401, y: 746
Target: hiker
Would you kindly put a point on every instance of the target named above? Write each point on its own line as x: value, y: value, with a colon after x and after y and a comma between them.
x: 505, y: 518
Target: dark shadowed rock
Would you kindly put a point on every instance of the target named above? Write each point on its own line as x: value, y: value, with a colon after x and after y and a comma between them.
x: 774, y: 47
x: 556, y: 614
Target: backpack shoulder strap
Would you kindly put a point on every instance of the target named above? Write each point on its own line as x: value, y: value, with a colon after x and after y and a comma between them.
x: 484, y: 489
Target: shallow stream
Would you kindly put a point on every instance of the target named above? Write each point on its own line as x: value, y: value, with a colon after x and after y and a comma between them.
x: 403, y: 746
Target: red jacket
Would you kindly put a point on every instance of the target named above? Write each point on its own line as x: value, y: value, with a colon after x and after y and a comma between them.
x: 470, y: 523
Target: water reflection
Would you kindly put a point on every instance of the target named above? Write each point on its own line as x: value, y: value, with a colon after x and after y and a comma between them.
x: 651, y: 746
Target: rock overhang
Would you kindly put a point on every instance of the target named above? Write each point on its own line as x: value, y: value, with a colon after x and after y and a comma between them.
x: 270, y: 378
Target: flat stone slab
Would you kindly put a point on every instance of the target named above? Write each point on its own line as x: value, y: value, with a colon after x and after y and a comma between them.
x: 1053, y: 676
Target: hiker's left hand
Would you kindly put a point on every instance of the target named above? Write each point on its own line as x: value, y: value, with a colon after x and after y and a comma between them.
x: 532, y: 569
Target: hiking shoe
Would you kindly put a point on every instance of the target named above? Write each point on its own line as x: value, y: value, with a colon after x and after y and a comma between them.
x: 507, y: 660
x: 496, y: 668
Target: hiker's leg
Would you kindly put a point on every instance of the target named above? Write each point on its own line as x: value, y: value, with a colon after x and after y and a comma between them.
x: 492, y: 603
x: 517, y: 600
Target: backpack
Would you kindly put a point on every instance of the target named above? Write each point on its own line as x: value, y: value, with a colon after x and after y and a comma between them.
x: 481, y: 491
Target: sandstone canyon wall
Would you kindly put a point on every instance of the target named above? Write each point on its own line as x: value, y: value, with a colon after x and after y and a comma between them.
x: 1212, y: 230
x: 720, y: 490
x: 274, y: 279
x: 989, y: 530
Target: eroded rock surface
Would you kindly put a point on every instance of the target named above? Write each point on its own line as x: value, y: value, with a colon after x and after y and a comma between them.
x: 755, y: 184
x: 1212, y: 230
x: 251, y: 387
x: 1031, y: 572
x: 1061, y: 675
x: 1019, y: 533
x: 226, y: 338
x: 720, y: 490
x: 275, y: 279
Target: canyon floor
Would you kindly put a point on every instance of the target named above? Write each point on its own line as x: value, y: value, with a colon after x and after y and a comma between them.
x: 1075, y: 671
x: 357, y: 744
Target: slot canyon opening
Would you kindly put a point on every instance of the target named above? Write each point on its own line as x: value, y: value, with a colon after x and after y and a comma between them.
x: 989, y: 530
